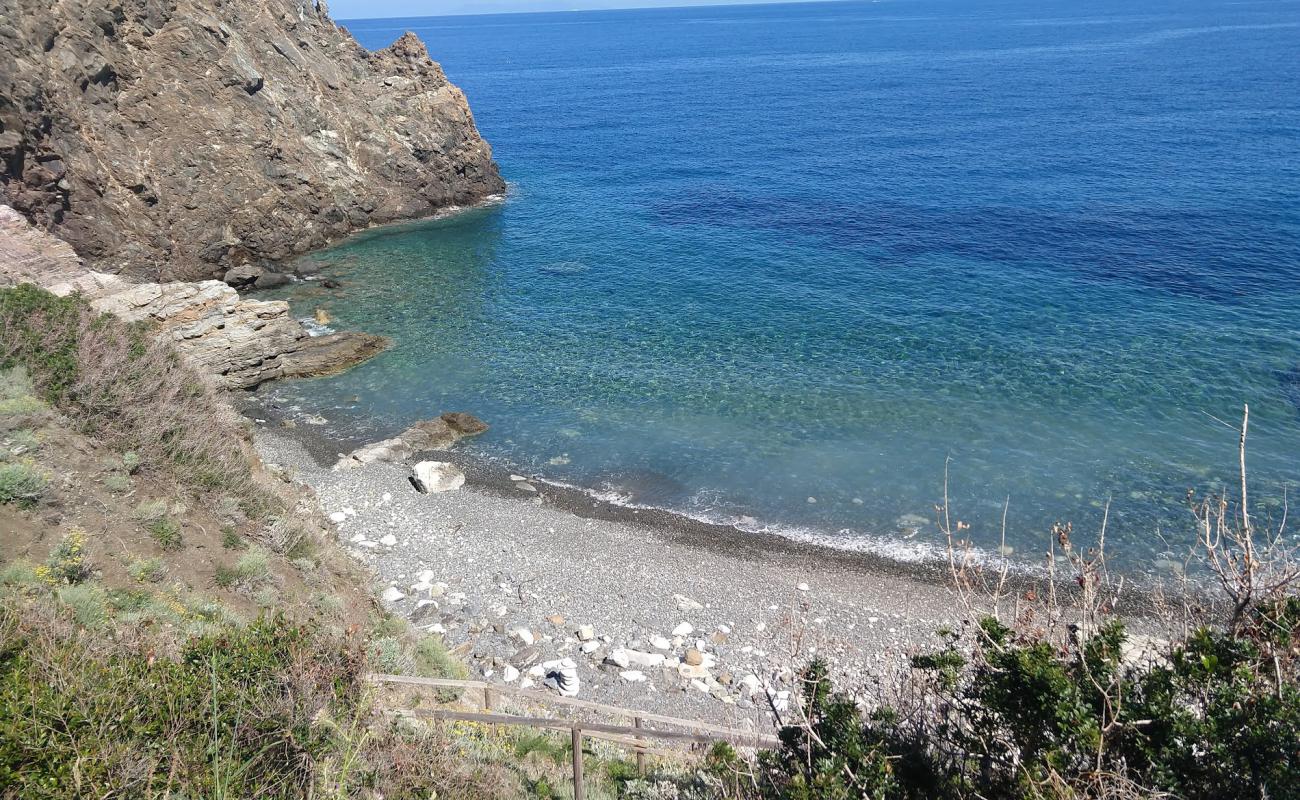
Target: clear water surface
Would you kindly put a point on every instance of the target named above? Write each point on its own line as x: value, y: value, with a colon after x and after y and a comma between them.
x: 778, y: 263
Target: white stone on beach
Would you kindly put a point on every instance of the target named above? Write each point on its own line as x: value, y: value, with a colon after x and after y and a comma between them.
x: 437, y: 476
x: 392, y: 594
x: 692, y: 671
x: 750, y: 684
x: 803, y: 587
x: 586, y: 633
x: 518, y: 478
x: 684, y: 629
x: 590, y: 647
x: 509, y: 674
x: 618, y: 657
x: 638, y: 658
x: 660, y: 643
x: 338, y: 517
x: 388, y: 540
x: 685, y: 603
x: 524, y: 635
x: 632, y: 676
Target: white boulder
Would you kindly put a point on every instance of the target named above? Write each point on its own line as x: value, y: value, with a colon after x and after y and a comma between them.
x: 436, y: 476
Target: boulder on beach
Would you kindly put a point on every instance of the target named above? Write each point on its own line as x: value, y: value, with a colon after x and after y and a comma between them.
x: 439, y: 433
x: 436, y: 476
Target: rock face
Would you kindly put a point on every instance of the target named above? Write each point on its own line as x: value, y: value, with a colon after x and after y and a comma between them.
x: 189, y: 138
x: 239, y: 342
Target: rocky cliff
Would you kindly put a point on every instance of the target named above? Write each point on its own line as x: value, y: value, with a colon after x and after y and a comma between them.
x: 179, y: 139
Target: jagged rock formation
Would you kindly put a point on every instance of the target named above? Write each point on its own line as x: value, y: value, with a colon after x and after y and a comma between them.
x: 240, y: 343
x: 179, y: 139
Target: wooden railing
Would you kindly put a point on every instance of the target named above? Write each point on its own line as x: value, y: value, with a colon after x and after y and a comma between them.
x: 632, y: 737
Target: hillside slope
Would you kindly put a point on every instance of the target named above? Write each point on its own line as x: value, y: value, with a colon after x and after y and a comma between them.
x: 176, y: 140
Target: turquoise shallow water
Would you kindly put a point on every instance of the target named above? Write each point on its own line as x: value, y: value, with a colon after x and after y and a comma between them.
x: 780, y: 263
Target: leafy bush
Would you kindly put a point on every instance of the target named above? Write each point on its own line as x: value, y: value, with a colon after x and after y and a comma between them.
x: 252, y: 570
x: 25, y: 439
x: 385, y: 655
x: 21, y: 484
x: 40, y: 333
x: 17, y: 393
x: 19, y: 574
x: 1014, y: 716
x: 166, y: 532
x: 231, y: 716
x: 231, y: 540
x: 67, y: 562
x: 88, y: 603
x: 147, y: 570
x: 118, y: 484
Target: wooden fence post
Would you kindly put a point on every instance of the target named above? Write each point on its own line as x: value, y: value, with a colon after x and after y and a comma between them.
x: 579, y: 790
x: 640, y: 751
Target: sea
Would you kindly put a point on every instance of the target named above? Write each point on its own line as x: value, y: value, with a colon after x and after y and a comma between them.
x: 809, y: 269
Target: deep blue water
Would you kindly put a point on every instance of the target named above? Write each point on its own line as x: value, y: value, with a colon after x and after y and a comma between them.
x: 757, y: 257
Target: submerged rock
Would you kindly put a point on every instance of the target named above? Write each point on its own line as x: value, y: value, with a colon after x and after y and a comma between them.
x: 432, y: 434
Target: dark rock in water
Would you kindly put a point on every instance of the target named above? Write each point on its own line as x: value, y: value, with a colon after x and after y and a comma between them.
x: 242, y: 276
x: 443, y: 432
x: 330, y: 283
x: 464, y: 424
x: 183, y: 139
x: 317, y: 356
x: 270, y: 280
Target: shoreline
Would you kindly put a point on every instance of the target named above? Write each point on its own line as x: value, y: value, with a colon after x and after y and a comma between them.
x: 499, y: 556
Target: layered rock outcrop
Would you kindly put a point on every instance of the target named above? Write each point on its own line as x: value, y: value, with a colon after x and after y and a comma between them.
x: 240, y: 343
x: 181, y: 139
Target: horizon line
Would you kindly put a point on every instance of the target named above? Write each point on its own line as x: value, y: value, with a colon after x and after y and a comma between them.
x: 590, y: 10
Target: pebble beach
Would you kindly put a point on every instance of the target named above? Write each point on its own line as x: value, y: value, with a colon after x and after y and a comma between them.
x: 540, y: 586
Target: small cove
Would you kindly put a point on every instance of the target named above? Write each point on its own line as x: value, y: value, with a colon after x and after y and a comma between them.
x: 788, y: 283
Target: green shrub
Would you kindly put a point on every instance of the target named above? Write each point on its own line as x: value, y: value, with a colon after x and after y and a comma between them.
x: 88, y: 603
x: 254, y: 567
x: 386, y: 655
x: 1021, y: 718
x: 131, y: 462
x: 251, y: 571
x: 166, y: 532
x: 67, y: 562
x: 117, y: 484
x: 231, y: 540
x: 19, y: 574
x: 229, y: 717
x: 430, y: 659
x: 21, y: 484
x: 25, y: 440
x: 41, y: 332
x: 17, y: 394
x: 149, y: 510
x: 147, y: 570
